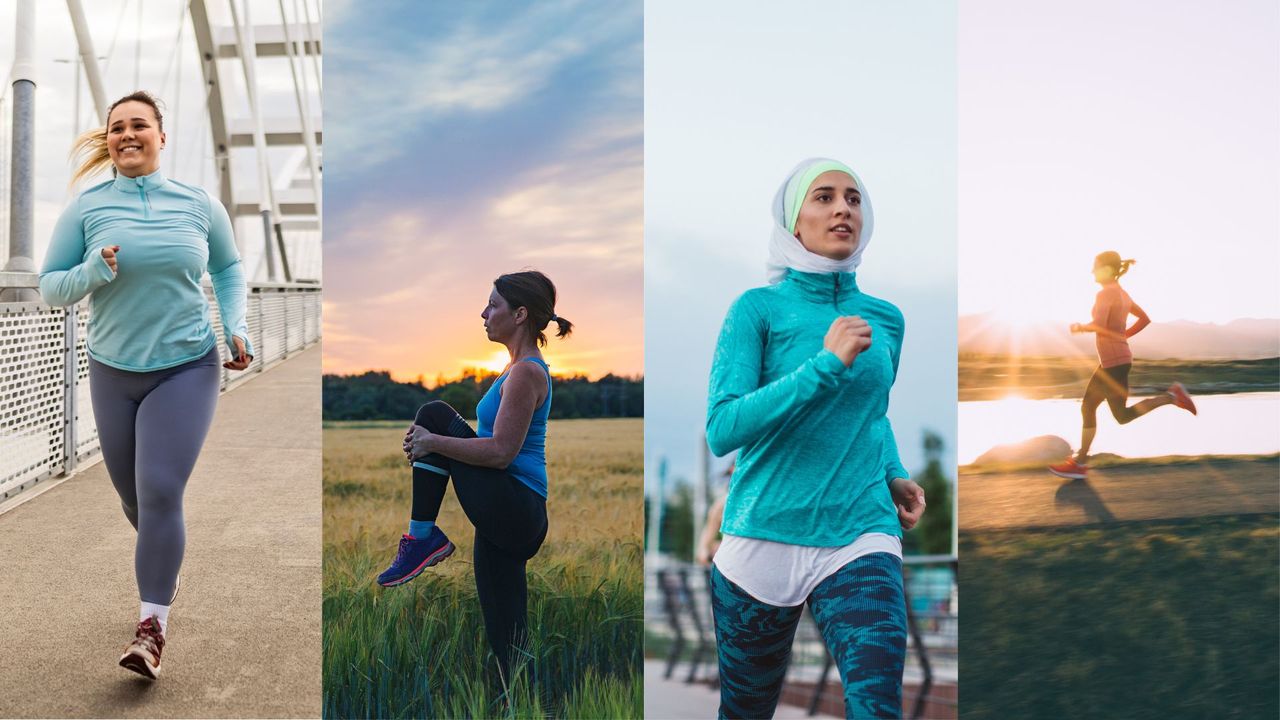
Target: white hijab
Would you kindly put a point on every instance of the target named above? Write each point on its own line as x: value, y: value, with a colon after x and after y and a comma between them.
x: 785, y: 250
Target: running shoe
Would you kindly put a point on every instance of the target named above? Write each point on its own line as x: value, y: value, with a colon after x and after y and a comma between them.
x: 416, y: 555
x: 143, y: 654
x: 1182, y: 398
x: 1070, y: 469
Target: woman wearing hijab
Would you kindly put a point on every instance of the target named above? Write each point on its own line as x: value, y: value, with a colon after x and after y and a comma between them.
x: 137, y: 245
x: 1110, y: 381
x: 499, y: 470
x: 818, y: 500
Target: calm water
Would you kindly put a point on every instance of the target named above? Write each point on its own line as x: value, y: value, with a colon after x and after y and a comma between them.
x: 1226, y: 424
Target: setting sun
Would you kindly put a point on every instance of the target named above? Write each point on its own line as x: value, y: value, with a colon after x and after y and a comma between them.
x: 497, y: 362
x: 1017, y: 318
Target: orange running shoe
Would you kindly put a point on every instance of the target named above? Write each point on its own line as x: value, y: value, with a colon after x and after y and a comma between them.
x: 1070, y: 469
x: 1181, y: 397
x: 143, y: 654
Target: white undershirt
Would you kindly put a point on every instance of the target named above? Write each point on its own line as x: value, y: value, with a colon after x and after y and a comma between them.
x: 784, y: 575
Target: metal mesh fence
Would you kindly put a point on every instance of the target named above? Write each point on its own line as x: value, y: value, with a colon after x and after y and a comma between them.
x: 33, y: 363
x: 46, y: 419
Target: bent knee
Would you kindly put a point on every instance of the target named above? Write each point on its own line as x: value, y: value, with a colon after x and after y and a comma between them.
x: 435, y: 414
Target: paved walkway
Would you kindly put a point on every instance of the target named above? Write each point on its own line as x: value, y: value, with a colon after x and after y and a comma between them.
x: 244, y: 636
x: 676, y: 700
x: 1036, y: 498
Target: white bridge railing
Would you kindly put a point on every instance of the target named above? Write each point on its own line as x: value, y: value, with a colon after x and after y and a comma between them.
x: 46, y: 421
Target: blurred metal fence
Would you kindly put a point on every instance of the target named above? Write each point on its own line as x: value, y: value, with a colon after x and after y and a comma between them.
x: 46, y: 422
x: 678, y: 614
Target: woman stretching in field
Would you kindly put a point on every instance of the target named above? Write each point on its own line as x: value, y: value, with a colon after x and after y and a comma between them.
x: 1110, y: 380
x: 499, y: 470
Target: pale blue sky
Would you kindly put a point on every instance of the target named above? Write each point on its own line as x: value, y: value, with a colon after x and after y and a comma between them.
x: 735, y: 95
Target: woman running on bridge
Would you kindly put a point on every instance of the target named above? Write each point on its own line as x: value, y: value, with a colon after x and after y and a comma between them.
x: 138, y: 246
x: 818, y: 499
x: 1110, y: 381
x: 499, y: 470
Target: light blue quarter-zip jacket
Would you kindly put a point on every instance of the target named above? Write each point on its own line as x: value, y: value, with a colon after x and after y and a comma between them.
x: 152, y: 314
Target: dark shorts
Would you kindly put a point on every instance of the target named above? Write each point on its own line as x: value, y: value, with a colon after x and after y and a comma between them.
x: 1109, y: 384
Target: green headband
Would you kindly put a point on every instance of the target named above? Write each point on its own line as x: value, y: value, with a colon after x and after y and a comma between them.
x: 799, y: 184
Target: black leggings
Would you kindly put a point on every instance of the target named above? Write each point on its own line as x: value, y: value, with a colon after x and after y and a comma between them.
x: 510, y: 521
x: 1110, y: 384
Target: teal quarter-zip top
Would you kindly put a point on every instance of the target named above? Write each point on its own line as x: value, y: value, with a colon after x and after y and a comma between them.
x: 152, y: 314
x: 817, y: 451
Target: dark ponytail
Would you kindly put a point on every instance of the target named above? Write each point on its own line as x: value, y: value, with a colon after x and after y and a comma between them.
x: 534, y: 292
x: 565, y: 327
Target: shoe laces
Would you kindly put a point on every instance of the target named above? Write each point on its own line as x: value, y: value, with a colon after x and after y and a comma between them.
x: 150, y: 634
x: 403, y: 550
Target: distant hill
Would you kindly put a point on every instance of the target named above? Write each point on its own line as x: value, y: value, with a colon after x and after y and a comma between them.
x: 991, y: 377
x: 1245, y: 338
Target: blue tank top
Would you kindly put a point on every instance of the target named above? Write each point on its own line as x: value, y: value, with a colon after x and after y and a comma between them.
x: 530, y: 465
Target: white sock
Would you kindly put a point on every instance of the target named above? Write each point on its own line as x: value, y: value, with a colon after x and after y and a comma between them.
x: 159, y: 611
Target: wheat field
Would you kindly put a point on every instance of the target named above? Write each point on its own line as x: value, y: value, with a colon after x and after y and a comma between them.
x: 419, y: 650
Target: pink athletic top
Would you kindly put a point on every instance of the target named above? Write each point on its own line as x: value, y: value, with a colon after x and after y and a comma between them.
x: 1111, y: 311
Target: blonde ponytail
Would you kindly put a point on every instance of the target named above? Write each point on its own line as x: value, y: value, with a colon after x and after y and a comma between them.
x: 92, y: 145
x: 1111, y: 259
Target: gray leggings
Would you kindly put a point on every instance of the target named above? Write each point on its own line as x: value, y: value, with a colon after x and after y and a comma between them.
x: 151, y: 426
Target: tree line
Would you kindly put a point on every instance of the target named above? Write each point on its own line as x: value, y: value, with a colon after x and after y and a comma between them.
x: 374, y: 395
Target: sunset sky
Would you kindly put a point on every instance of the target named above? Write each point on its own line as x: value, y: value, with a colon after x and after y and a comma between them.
x: 1149, y: 128
x: 465, y: 141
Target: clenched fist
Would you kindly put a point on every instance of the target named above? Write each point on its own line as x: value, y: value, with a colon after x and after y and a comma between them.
x: 847, y: 337
x: 109, y: 254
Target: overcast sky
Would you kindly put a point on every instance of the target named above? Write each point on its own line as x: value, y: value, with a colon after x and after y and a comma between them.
x: 153, y: 51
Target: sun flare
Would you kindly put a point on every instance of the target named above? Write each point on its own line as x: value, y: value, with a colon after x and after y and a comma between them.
x: 495, y: 363
x: 1016, y: 318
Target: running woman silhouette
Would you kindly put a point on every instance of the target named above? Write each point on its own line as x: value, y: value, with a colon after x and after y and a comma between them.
x: 1110, y: 381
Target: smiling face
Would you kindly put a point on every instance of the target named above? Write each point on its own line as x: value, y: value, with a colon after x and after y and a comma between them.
x: 502, y: 323
x: 830, y: 219
x: 134, y: 139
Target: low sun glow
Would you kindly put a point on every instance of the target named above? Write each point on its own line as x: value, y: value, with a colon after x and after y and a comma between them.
x: 1016, y: 318
x: 497, y: 362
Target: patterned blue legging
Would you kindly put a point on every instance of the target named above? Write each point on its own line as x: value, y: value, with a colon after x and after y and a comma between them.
x: 862, y: 613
